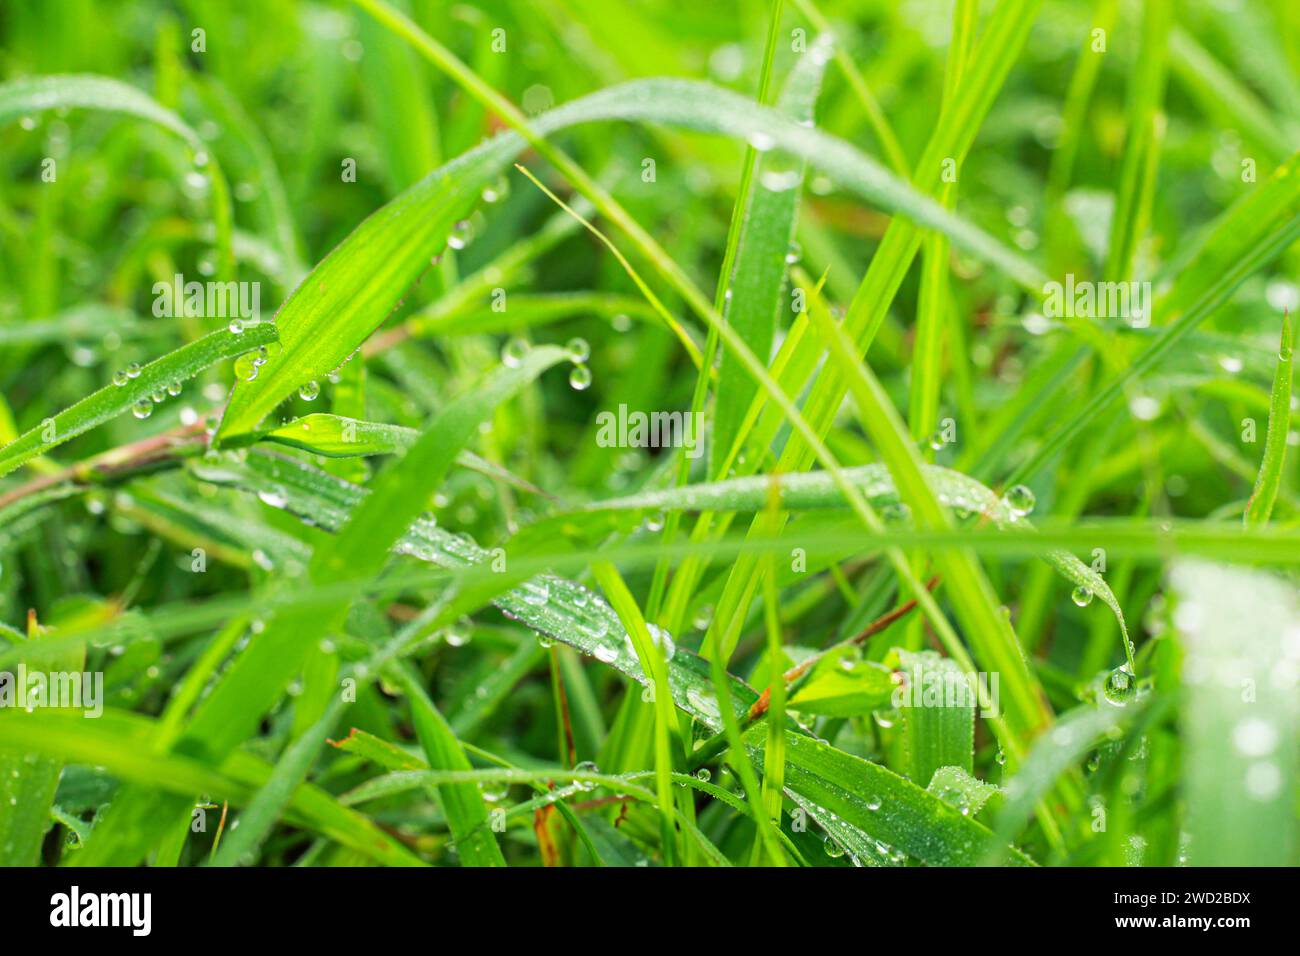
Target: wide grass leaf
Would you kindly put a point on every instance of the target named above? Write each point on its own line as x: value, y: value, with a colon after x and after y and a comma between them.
x: 138, y: 386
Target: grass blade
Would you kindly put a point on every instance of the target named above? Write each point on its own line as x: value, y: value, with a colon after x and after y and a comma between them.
x: 1260, y: 505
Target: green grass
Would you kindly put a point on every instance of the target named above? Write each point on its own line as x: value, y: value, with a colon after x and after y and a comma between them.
x: 945, y: 579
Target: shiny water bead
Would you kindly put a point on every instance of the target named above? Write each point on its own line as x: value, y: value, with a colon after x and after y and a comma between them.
x: 579, y: 350
x: 461, y: 235
x: 1020, y: 500
x: 514, y: 352
x: 580, y: 378
x: 1121, y: 686
x: 246, y: 367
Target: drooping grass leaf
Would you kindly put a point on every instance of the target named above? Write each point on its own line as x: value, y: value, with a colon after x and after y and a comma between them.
x: 139, y: 387
x: 349, y: 294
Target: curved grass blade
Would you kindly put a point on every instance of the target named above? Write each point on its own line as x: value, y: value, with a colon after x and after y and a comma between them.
x: 113, y: 400
x: 809, y: 490
x: 358, y: 552
x: 349, y: 293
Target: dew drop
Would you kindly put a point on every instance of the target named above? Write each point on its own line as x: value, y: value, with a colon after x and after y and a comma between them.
x: 579, y: 350
x: 236, y: 326
x: 1081, y: 596
x: 536, y: 593
x: 1020, y: 500
x: 779, y: 180
x: 580, y: 378
x: 1120, y: 686
x: 461, y: 235
x: 309, y: 391
x: 142, y: 409
x: 246, y: 367
x: 514, y: 352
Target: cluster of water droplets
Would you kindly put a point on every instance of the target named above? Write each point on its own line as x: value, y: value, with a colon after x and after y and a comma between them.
x: 248, y: 365
x: 143, y: 408
x: 516, y: 350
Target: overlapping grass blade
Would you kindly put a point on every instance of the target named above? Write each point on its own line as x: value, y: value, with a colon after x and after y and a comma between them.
x: 140, y: 385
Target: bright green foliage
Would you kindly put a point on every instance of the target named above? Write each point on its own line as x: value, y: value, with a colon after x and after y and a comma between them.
x: 758, y: 433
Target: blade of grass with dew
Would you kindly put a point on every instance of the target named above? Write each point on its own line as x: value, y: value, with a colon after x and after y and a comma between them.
x: 353, y: 289
x: 652, y: 659
x: 937, y: 716
x: 122, y: 743
x: 956, y: 787
x: 28, y: 781
x: 758, y: 244
x: 1260, y: 505
x: 905, y: 817
x: 137, y: 387
x: 462, y: 802
x: 360, y: 550
x: 574, y: 616
x: 1005, y: 34
x: 1145, y: 132
x: 934, y: 298
x: 1239, y: 713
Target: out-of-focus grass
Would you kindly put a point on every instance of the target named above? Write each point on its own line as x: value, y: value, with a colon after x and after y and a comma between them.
x: 836, y: 236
